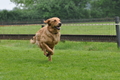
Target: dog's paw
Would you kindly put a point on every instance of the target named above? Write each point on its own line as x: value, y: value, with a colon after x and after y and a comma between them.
x: 47, y: 55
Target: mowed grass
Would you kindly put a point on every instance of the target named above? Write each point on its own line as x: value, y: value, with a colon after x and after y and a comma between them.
x: 73, y: 28
x: 20, y: 60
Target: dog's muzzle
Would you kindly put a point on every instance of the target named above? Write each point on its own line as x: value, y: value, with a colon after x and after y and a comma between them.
x: 59, y: 26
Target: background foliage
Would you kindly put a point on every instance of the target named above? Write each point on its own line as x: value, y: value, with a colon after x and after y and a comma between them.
x: 30, y: 10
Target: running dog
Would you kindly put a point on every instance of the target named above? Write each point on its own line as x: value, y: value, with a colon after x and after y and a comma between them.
x: 48, y: 36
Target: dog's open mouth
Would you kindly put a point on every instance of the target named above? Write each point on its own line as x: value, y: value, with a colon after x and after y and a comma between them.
x: 57, y: 27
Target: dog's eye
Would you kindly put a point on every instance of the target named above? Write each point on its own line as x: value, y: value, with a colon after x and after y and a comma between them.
x: 54, y: 20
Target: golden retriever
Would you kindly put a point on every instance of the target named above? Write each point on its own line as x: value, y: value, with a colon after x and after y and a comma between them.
x: 47, y: 37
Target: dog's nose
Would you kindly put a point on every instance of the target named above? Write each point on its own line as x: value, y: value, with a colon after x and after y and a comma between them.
x: 60, y: 24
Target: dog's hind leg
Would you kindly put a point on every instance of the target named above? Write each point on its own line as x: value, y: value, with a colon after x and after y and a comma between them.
x: 45, y: 53
x: 50, y: 57
x: 43, y: 49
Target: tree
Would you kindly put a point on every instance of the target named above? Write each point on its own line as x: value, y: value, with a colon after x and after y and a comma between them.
x: 66, y: 9
x: 105, y: 8
x: 3, y: 15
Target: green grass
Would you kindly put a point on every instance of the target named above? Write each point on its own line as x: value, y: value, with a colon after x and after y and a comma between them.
x: 65, y: 29
x: 20, y: 60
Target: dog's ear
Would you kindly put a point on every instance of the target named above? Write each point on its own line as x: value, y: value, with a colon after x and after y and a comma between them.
x: 47, y: 21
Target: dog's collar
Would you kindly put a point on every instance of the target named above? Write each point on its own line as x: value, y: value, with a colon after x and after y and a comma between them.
x: 56, y: 33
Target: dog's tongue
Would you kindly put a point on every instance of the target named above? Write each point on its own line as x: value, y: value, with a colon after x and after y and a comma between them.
x: 58, y: 28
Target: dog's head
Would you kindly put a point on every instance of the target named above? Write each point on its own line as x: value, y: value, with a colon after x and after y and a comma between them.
x: 54, y: 22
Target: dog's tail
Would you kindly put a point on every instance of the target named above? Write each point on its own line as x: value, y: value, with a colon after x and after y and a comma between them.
x: 33, y: 41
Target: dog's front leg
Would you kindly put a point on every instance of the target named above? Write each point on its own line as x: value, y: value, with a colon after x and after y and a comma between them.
x: 48, y: 48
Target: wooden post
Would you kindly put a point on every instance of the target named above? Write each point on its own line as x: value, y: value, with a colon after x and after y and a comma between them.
x: 117, y: 31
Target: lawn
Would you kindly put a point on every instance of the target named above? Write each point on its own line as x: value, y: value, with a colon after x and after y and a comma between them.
x: 74, y: 28
x: 20, y: 60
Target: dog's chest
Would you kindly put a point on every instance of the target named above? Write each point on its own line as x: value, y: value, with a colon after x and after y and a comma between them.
x: 54, y: 39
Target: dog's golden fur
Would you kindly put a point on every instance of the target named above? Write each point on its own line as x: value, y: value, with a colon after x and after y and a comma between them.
x: 47, y: 37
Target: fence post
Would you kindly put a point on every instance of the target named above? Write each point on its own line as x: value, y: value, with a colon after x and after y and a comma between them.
x: 117, y: 31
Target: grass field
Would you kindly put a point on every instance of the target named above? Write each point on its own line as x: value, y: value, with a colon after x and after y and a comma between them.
x: 20, y: 60
x: 66, y: 29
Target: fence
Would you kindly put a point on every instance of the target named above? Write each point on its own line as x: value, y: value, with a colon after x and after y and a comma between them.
x: 40, y: 21
x: 74, y: 37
